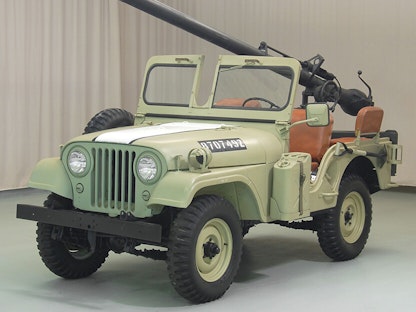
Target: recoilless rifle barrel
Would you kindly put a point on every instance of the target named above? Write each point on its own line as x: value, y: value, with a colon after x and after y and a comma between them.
x: 316, y: 80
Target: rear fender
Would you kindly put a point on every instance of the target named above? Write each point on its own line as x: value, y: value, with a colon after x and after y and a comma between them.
x: 324, y: 191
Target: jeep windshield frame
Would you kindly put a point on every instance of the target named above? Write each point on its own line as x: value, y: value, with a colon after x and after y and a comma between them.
x: 279, y: 75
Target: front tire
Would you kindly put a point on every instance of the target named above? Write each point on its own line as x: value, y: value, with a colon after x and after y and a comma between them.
x: 343, y: 230
x: 67, y: 251
x: 205, y: 247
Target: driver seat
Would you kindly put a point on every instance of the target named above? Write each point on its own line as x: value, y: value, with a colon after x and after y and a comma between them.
x: 312, y: 140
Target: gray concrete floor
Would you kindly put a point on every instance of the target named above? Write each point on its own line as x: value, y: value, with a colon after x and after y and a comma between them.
x: 281, y: 270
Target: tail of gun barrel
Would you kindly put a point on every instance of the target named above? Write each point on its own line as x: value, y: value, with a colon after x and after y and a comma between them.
x: 315, y: 80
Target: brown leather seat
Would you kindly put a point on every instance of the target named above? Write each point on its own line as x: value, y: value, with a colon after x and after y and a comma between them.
x: 312, y: 140
x: 232, y: 102
x: 368, y: 122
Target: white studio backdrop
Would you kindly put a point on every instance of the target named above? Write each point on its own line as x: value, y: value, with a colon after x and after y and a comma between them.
x: 59, y: 64
x: 63, y: 61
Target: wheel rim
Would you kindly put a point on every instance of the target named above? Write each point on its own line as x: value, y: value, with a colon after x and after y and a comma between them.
x: 352, y: 217
x: 214, y: 250
x: 76, y: 244
x: 79, y: 254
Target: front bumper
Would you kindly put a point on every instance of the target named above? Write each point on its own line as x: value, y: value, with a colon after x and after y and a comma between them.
x: 143, y: 231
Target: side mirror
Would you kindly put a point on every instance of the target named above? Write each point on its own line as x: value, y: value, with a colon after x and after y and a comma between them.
x: 317, y: 115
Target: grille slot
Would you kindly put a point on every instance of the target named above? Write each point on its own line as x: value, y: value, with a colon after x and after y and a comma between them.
x: 113, y: 180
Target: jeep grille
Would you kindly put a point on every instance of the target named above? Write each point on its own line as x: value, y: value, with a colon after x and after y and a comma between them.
x: 113, y: 180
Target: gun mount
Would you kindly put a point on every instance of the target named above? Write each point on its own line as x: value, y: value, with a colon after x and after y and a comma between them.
x: 319, y: 83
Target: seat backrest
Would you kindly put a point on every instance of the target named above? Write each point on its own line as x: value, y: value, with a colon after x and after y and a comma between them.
x: 311, y: 140
x: 368, y: 120
x: 230, y: 102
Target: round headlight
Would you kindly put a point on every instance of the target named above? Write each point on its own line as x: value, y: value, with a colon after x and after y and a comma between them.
x: 77, y: 162
x: 147, y: 168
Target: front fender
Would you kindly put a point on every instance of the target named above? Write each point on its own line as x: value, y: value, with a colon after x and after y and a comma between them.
x: 178, y: 188
x: 49, y: 174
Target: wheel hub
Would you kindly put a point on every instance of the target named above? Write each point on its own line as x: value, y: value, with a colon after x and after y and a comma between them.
x: 348, y: 216
x: 211, y: 249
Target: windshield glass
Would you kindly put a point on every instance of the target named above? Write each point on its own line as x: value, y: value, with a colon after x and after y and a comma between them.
x: 250, y: 87
x: 169, y: 85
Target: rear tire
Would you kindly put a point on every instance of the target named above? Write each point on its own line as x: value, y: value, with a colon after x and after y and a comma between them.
x: 66, y: 251
x: 108, y: 119
x: 343, y: 230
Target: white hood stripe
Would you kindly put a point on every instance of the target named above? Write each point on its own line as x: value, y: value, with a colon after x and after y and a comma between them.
x: 128, y: 136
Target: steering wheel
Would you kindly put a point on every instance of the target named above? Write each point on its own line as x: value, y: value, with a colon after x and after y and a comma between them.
x: 329, y: 92
x: 260, y: 99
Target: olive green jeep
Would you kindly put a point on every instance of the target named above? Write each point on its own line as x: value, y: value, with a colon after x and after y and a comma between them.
x: 191, y: 179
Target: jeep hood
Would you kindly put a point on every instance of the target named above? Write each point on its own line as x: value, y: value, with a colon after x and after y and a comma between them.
x: 230, y: 145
